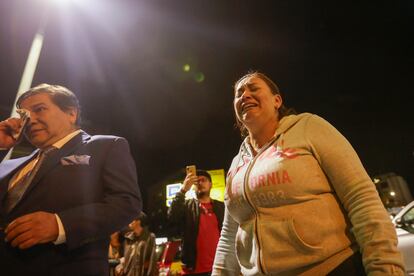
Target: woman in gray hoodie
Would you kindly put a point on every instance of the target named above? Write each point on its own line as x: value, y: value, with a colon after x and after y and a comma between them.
x: 298, y: 200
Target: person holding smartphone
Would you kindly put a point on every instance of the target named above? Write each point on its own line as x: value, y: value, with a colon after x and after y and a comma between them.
x: 199, y: 220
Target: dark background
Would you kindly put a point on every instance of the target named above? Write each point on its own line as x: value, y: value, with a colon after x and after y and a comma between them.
x: 350, y: 62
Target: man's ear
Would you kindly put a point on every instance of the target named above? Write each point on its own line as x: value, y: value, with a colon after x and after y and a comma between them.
x: 73, y: 114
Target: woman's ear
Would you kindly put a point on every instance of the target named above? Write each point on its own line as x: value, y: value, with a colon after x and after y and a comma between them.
x: 277, y: 101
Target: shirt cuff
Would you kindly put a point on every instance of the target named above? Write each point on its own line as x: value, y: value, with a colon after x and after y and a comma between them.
x: 62, y: 235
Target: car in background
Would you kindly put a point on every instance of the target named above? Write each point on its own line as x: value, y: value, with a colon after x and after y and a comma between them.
x: 169, y: 258
x: 404, y: 223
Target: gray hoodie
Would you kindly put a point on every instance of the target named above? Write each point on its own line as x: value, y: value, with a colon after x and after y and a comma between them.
x: 302, y: 205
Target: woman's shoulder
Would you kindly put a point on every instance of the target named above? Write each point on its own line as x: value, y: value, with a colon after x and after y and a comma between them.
x: 303, y: 115
x: 309, y: 117
x: 306, y: 121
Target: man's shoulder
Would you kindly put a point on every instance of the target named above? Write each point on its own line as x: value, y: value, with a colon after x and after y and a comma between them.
x: 101, y: 137
x: 103, y: 143
x: 85, y: 137
x: 104, y: 139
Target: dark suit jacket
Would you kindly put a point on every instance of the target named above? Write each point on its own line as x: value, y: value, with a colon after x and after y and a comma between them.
x: 92, y: 200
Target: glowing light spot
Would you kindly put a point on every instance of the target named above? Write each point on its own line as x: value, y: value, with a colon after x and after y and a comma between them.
x: 392, y: 193
x: 186, y: 67
x: 199, y: 77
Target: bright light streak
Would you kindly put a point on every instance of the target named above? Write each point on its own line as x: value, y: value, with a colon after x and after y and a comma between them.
x: 29, y: 69
x: 27, y: 77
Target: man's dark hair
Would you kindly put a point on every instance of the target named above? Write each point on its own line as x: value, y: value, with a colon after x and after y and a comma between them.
x: 204, y: 173
x: 143, y: 218
x: 60, y: 95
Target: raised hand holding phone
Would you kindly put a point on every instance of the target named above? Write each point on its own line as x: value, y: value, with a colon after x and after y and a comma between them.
x: 191, y: 169
x: 190, y: 179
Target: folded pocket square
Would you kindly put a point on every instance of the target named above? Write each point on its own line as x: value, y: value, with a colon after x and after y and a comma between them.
x: 75, y: 160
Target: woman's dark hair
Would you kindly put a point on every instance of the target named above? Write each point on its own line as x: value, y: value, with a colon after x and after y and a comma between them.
x: 60, y: 95
x: 282, y: 111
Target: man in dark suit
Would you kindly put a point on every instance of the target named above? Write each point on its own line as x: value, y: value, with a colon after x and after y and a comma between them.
x: 59, y: 205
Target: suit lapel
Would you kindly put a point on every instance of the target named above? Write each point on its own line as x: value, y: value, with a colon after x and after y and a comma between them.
x: 53, y: 159
x: 9, y: 168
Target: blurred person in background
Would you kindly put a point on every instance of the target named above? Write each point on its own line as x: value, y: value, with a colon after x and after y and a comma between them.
x: 115, y: 251
x: 139, y: 250
x: 298, y: 200
x: 115, y: 246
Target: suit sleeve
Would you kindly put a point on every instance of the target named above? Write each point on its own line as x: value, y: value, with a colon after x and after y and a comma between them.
x: 119, y: 204
x: 372, y: 226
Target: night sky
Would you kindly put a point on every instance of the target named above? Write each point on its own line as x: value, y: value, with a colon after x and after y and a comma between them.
x: 351, y: 63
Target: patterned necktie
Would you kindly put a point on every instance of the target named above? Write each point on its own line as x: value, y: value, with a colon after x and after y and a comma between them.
x: 16, y: 192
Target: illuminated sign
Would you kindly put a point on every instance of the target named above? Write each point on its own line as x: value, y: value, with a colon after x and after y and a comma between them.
x: 172, y: 189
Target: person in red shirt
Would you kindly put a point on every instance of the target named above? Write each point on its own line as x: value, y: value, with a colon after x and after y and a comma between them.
x: 200, y: 221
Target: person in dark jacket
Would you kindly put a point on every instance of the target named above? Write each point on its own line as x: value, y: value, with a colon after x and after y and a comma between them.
x: 200, y: 220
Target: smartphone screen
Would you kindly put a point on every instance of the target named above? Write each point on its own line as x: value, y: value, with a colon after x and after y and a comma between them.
x: 25, y: 117
x: 191, y: 169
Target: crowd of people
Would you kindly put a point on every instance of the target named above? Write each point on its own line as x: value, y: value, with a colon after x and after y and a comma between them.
x: 298, y: 200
